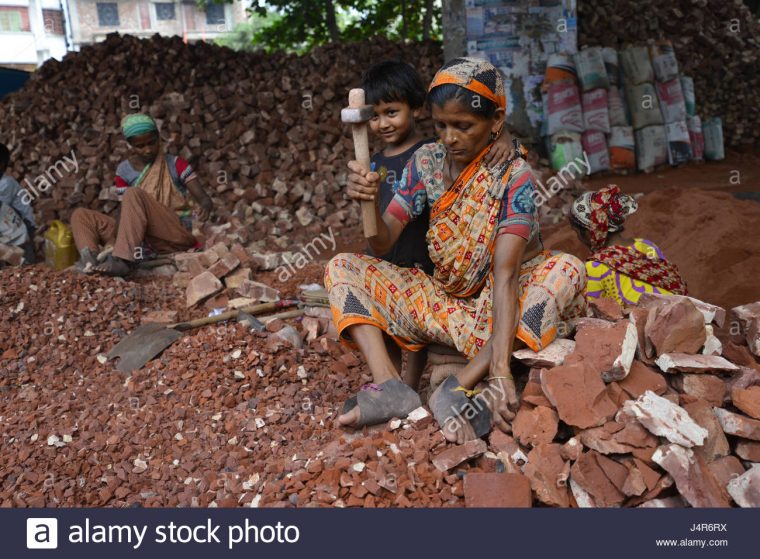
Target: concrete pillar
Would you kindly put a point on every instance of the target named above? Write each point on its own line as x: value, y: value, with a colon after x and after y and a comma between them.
x: 37, y: 26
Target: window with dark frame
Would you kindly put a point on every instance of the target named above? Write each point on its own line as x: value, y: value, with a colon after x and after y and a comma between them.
x: 215, y: 14
x: 165, y: 11
x: 53, y: 21
x: 108, y: 14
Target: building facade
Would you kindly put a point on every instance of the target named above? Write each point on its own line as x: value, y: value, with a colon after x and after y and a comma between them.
x: 92, y: 20
x: 31, y: 31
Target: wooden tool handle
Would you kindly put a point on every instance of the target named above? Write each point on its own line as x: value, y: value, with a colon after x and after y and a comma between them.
x: 361, y: 151
x: 252, y: 309
x: 287, y: 314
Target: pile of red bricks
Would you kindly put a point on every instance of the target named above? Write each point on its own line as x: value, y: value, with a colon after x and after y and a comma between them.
x: 262, y: 130
x: 220, y: 269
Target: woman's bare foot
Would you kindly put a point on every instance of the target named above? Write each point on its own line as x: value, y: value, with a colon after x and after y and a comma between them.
x: 114, y: 266
x: 350, y: 418
x: 458, y: 430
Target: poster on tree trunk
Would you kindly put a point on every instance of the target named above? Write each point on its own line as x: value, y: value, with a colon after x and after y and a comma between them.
x: 518, y: 37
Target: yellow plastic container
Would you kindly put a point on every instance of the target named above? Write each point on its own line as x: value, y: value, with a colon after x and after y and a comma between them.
x: 60, y: 250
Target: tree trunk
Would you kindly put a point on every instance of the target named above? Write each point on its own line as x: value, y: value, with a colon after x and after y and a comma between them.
x: 331, y: 20
x: 427, y: 19
x: 404, y: 27
x: 454, y: 25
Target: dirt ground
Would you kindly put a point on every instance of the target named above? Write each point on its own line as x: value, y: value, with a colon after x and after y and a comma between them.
x: 739, y: 172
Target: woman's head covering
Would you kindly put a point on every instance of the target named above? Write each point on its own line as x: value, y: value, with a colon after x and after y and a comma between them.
x: 602, y: 212
x: 474, y: 74
x: 137, y: 124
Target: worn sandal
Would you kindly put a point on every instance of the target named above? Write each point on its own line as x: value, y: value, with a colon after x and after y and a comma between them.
x: 380, y: 402
x: 453, y: 402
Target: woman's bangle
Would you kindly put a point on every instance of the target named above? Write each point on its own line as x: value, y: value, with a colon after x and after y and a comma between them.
x: 489, y: 379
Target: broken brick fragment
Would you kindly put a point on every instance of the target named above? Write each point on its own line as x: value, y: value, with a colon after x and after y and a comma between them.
x: 551, y: 356
x: 608, y: 347
x: 578, y: 394
x: 694, y: 480
x: 201, y: 287
x: 748, y: 450
x: 494, y: 490
x: 745, y: 489
x: 748, y: 318
x: 709, y: 388
x: 715, y: 444
x: 666, y: 419
x: 676, y: 327
x: 591, y: 475
x: 738, y: 425
x: 189, y: 262
x: 233, y: 280
x: 606, y: 309
x: 258, y: 291
x: 224, y: 266
x: 535, y: 426
x: 548, y: 474
x: 455, y: 455
x: 642, y: 378
x: 687, y: 363
x: 747, y: 400
x: 726, y: 468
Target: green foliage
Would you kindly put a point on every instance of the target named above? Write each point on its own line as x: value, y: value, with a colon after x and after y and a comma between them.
x: 243, y: 37
x: 298, y: 25
x: 240, y: 38
x: 394, y: 19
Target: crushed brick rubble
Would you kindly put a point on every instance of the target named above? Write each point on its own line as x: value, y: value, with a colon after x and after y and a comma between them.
x: 228, y: 417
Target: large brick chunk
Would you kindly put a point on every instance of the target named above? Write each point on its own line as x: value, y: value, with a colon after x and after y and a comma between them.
x: 676, y: 327
x: 201, y: 287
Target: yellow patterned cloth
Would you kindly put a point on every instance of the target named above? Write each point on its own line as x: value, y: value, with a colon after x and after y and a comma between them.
x: 605, y: 281
x: 414, y: 308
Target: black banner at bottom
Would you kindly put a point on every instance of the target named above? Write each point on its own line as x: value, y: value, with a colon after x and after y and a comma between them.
x: 364, y: 534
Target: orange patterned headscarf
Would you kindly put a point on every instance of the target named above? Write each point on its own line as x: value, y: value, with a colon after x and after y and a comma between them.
x: 474, y: 74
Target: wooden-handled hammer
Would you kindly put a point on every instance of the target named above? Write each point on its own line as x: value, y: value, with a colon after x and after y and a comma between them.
x: 358, y: 114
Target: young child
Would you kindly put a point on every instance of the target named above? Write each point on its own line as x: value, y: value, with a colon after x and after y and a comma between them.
x: 398, y: 94
x: 17, y: 224
x: 154, y: 188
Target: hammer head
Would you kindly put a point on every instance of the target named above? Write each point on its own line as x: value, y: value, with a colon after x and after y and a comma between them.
x: 357, y: 115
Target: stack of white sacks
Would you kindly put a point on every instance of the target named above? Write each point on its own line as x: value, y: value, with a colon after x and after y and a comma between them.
x: 625, y: 111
